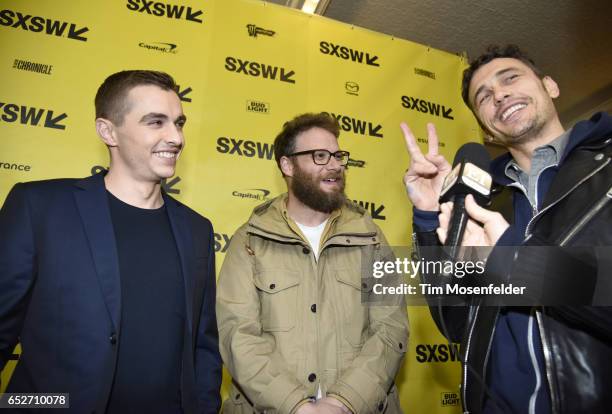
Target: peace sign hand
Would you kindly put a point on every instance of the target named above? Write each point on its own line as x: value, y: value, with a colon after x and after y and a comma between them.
x: 425, y: 176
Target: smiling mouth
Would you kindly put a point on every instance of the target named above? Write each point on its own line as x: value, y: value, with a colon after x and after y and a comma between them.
x: 166, y: 154
x: 510, y: 111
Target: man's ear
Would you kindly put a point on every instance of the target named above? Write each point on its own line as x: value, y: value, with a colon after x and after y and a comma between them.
x: 286, y: 166
x: 106, y: 131
x: 551, y: 87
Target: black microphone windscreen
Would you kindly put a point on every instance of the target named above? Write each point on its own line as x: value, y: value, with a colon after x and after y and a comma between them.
x: 474, y: 153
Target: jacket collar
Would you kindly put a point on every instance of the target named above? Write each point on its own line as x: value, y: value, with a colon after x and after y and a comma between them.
x: 270, y: 219
x: 584, y: 133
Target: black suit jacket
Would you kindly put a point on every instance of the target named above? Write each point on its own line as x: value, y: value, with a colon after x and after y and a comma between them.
x: 60, y: 294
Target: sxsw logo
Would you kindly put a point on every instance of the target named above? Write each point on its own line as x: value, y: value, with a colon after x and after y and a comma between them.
x: 245, y: 148
x: 358, y: 126
x: 259, y: 194
x: 254, y: 30
x: 346, y: 53
x: 222, y: 241
x: 160, y: 47
x: 257, y: 69
x: 437, y: 353
x: 171, y: 11
x: 39, y: 24
x: 449, y: 399
x: 258, y: 107
x: 167, y: 186
x: 29, y: 115
x: 427, y: 107
x: 375, y: 210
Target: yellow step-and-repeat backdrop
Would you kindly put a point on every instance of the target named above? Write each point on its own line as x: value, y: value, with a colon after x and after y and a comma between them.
x: 244, y: 68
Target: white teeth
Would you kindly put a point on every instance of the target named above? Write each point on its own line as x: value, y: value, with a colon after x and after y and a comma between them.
x: 165, y: 154
x: 506, y: 114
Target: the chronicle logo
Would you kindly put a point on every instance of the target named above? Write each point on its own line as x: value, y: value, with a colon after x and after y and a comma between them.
x: 29, y: 115
x: 358, y: 126
x: 38, y: 24
x: 160, y: 9
x: 351, y: 88
x: 257, y: 69
x: 432, y: 108
x: 258, y: 107
x: 32, y: 66
x: 426, y: 73
x: 347, y: 53
x: 167, y: 186
x: 254, y: 30
x: 449, y: 399
x: 437, y: 353
x: 258, y: 194
x: 374, y: 209
x: 160, y: 47
x: 245, y: 148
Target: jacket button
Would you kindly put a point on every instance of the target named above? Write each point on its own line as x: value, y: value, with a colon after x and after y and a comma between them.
x: 313, y: 308
x: 401, y: 345
x: 599, y: 157
x: 305, y: 250
x: 312, y: 377
x: 113, y: 339
x: 348, y: 241
x: 381, y: 405
x: 272, y: 286
x: 364, y: 285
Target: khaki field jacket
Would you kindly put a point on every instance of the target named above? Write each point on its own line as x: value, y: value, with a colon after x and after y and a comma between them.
x: 289, y: 324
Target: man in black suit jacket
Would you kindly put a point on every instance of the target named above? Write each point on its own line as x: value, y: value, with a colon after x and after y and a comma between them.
x: 107, y: 282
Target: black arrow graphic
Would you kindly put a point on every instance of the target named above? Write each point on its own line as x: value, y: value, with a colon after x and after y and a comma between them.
x: 182, y: 94
x: 371, y: 60
x: 376, y: 213
x: 446, y: 113
x: 51, y: 122
x: 193, y: 16
x: 167, y: 185
x: 75, y: 34
x: 286, y: 77
x: 374, y: 131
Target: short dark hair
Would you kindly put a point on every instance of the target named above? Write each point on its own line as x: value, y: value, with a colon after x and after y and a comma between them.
x: 494, y: 52
x: 284, y: 144
x: 111, y: 102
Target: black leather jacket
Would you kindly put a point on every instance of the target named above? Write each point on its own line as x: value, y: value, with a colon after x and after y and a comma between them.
x: 577, y: 340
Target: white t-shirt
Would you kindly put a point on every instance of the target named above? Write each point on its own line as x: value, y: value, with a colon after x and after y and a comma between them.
x: 313, y: 235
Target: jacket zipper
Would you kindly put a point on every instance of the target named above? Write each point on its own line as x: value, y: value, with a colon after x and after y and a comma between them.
x: 465, y: 363
x: 547, y: 361
x: 595, y: 171
x: 586, y: 218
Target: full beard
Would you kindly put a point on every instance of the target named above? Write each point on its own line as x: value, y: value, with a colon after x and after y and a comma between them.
x: 306, y: 188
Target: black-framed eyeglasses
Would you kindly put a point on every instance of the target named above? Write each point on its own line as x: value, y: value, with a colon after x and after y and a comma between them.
x: 322, y: 156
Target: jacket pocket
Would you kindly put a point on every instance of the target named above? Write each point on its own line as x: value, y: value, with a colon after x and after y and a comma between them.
x: 353, y: 312
x: 278, y: 294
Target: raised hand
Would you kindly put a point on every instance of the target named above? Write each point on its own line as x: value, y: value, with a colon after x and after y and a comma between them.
x: 425, y: 176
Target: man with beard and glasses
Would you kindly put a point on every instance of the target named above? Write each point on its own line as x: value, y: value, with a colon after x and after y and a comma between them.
x: 294, y: 333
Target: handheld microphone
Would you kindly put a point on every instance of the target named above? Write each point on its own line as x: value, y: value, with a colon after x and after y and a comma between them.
x: 470, y: 175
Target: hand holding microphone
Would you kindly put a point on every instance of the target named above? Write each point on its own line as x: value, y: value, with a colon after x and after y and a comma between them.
x: 467, y: 185
x: 487, y: 234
